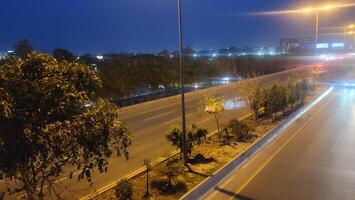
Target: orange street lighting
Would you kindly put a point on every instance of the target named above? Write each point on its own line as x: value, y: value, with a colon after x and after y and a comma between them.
x: 351, y: 26
x: 305, y: 10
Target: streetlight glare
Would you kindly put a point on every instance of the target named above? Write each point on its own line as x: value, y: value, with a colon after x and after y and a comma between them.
x: 305, y: 10
x: 351, y: 26
x: 328, y: 7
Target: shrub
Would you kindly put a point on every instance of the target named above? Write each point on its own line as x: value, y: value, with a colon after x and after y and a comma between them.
x: 240, y: 130
x: 170, y: 170
x: 124, y: 190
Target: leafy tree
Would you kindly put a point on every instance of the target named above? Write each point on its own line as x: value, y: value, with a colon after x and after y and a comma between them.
x: 23, y: 48
x: 195, y: 135
x: 148, y: 167
x: 283, y: 104
x: 251, y: 95
x: 175, y: 137
x: 304, y: 89
x: 51, y: 117
x: 63, y: 54
x: 291, y: 93
x: 170, y: 170
x: 215, y: 106
x: 124, y: 190
x: 240, y: 130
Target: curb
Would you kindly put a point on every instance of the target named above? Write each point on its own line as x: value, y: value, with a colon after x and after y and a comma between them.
x: 210, y: 182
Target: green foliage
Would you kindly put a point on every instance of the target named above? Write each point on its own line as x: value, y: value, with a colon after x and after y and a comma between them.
x: 51, y: 117
x: 275, y: 99
x: 170, y: 170
x: 122, y: 73
x: 240, y: 130
x: 194, y: 135
x: 63, y: 54
x: 291, y: 93
x: 279, y: 97
x: 124, y: 190
x: 23, y: 48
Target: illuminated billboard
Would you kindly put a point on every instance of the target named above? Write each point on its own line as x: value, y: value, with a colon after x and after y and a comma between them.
x: 338, y: 45
x: 322, y: 46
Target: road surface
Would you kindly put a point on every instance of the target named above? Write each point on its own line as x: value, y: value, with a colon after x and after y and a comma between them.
x: 149, y: 122
x: 312, y: 159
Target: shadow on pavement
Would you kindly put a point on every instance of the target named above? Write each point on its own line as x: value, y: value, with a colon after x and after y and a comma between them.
x: 232, y: 194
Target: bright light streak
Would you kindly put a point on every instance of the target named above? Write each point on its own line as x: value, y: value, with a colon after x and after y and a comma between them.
x: 100, y: 57
x: 233, y: 104
x: 225, y: 78
x: 304, y: 10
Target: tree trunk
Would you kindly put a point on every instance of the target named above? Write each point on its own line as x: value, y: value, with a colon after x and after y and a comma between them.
x: 169, y: 182
x: 217, y: 121
x: 147, y: 191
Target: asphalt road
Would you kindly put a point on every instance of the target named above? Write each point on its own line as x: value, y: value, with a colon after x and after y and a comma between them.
x: 312, y: 159
x: 149, y: 122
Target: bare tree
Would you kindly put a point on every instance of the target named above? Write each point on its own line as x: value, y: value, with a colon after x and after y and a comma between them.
x: 251, y: 95
x: 215, y: 106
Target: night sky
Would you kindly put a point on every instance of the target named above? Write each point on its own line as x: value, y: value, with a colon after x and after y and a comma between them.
x: 98, y: 26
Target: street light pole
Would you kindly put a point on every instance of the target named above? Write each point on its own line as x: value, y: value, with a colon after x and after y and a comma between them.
x: 317, y: 30
x: 317, y: 25
x: 182, y: 88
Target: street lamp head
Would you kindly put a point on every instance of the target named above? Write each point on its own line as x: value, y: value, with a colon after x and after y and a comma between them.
x: 307, y: 10
x: 328, y: 7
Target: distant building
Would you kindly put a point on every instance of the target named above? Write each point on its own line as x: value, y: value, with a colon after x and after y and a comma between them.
x: 296, y: 44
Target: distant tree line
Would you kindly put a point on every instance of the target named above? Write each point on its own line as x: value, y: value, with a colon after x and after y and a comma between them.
x: 125, y: 75
x: 128, y: 74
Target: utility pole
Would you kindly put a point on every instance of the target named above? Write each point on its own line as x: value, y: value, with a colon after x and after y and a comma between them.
x: 182, y: 87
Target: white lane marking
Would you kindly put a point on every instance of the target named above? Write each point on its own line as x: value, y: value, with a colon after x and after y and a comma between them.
x: 202, y: 121
x: 179, y: 118
x: 157, y: 116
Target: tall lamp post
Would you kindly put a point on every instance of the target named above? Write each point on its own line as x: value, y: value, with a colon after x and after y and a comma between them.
x: 352, y: 33
x: 182, y: 87
x: 317, y: 11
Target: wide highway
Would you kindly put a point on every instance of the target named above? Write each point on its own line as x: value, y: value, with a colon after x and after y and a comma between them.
x: 149, y: 121
x: 312, y: 159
